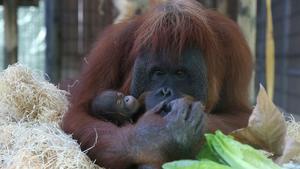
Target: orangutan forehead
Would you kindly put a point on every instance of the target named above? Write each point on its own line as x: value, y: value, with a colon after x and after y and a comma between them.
x: 190, y: 57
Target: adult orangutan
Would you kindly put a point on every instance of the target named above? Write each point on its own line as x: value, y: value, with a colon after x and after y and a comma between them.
x: 182, y: 56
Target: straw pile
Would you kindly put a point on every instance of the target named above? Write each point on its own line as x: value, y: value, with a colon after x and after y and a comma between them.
x: 293, y: 128
x: 30, y: 112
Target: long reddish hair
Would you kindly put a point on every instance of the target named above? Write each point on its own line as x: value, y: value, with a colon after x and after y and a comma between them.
x: 171, y: 28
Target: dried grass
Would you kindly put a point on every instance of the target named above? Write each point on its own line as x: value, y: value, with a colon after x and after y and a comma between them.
x: 28, y: 96
x: 30, y: 112
x: 40, y: 145
x: 293, y: 128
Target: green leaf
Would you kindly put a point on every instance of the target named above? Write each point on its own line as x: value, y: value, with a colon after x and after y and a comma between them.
x: 223, y: 152
x: 208, y: 153
x: 194, y: 164
x: 238, y: 155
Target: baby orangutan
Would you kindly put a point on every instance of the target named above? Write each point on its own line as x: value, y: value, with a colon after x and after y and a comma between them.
x: 114, y: 106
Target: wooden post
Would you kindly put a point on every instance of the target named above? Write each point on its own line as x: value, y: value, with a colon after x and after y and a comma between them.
x: 53, y: 55
x: 10, y: 32
x: 247, y: 21
x: 24, y: 2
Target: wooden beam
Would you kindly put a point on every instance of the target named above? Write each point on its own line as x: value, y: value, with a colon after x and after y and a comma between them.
x: 247, y: 21
x: 228, y: 8
x: 53, y: 50
x: 24, y: 2
x: 10, y: 32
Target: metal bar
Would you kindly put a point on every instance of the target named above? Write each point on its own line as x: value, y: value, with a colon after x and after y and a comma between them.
x: 10, y: 32
x: 246, y: 19
x: 24, y: 2
x: 293, y: 72
x: 53, y: 59
x: 260, y: 43
x: 80, y: 19
x: 284, y: 46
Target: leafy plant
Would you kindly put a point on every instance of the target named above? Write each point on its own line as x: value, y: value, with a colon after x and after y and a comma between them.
x: 223, y: 152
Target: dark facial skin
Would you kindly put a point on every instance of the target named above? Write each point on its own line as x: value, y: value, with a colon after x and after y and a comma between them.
x: 172, y: 127
x: 114, y: 106
x: 168, y: 81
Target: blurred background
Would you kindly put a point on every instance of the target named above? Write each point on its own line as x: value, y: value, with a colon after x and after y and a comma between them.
x: 54, y: 36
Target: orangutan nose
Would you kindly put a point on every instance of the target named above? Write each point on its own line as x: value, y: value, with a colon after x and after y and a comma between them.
x: 166, y: 92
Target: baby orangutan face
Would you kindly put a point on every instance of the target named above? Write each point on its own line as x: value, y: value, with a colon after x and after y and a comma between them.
x: 127, y: 104
x: 114, y: 106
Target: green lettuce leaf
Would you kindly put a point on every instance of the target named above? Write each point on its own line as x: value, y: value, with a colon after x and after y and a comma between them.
x: 194, y: 164
x: 236, y: 154
x: 223, y: 152
x: 207, y: 153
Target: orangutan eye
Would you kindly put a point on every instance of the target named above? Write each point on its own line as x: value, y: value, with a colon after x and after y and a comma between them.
x: 180, y: 74
x: 158, y: 73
